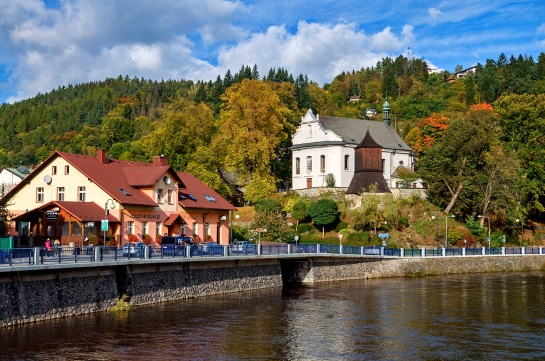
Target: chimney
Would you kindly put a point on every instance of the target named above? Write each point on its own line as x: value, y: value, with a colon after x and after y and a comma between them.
x: 101, y: 156
x: 160, y: 161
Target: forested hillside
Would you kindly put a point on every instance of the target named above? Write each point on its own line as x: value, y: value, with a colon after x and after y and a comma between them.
x: 479, y: 140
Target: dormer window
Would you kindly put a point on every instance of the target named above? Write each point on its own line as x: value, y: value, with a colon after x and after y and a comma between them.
x: 159, y: 195
x: 309, y: 131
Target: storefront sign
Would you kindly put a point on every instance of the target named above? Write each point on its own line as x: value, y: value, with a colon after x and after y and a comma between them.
x: 51, y: 216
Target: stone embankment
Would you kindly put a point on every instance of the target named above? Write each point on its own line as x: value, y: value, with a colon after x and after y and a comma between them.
x: 30, y: 296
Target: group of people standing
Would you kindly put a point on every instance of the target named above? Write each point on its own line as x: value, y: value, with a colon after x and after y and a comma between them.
x: 56, y: 244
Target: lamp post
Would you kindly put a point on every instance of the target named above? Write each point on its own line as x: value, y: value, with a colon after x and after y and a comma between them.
x: 105, y: 224
x: 436, y: 232
x: 231, y: 226
x: 480, y: 216
x: 521, y: 230
x: 446, y: 228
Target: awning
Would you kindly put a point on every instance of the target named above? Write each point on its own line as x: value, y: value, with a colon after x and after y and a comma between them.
x: 81, y: 211
x: 174, y: 218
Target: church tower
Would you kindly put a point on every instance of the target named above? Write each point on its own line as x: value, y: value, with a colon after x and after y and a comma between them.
x: 368, y: 167
x: 386, y: 112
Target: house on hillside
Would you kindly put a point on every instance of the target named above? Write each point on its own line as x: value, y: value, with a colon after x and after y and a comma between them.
x: 73, y: 196
x: 9, y: 177
x: 325, y: 148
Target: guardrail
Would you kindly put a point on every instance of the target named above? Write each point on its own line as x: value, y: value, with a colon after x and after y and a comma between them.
x: 42, y: 256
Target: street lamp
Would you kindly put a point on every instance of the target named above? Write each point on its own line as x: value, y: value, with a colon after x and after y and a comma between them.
x: 231, y: 226
x: 521, y: 230
x: 479, y: 216
x: 446, y: 228
x: 436, y: 231
x: 105, y: 224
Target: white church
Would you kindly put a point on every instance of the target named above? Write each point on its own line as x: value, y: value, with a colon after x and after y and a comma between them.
x: 325, y: 145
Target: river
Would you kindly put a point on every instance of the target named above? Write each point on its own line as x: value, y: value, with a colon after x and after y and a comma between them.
x: 497, y: 316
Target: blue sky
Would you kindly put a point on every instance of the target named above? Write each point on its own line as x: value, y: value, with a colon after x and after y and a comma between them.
x: 46, y: 44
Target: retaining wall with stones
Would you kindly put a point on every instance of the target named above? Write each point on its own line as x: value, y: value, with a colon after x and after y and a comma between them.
x: 322, y: 270
x: 30, y: 296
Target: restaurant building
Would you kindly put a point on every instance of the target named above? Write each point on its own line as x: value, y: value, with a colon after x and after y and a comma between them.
x: 80, y: 199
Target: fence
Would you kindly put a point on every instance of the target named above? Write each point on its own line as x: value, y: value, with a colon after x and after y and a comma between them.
x: 57, y: 255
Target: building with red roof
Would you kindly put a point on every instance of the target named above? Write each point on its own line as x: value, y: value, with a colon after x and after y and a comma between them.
x: 73, y: 197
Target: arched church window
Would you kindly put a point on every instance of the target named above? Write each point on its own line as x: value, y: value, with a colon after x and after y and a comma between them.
x: 346, y: 162
x: 309, y: 164
x: 297, y: 165
x: 322, y: 163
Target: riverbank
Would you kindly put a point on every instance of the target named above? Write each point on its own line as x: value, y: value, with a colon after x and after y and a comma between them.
x: 31, y: 296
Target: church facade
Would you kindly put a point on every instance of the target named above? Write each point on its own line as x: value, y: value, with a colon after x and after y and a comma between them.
x: 324, y: 151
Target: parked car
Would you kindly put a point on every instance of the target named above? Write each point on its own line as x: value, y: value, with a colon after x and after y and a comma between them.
x: 4, y: 256
x: 136, y: 249
x: 245, y: 247
x: 175, y: 246
x: 212, y: 249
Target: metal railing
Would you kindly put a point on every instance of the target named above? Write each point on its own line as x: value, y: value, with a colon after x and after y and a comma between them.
x: 42, y: 256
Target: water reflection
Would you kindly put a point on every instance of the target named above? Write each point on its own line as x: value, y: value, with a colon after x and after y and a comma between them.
x: 477, y: 317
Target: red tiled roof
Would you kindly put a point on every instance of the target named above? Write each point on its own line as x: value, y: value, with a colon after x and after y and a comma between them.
x: 194, y: 192
x: 173, y: 218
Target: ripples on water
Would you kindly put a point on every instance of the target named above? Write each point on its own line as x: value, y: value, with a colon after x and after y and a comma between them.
x: 460, y: 317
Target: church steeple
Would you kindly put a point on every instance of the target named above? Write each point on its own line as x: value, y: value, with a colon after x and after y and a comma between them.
x: 386, y: 112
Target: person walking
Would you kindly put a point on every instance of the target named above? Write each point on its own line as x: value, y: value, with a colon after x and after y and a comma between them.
x: 48, y: 247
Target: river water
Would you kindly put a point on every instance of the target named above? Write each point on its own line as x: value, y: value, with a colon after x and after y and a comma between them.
x: 497, y: 316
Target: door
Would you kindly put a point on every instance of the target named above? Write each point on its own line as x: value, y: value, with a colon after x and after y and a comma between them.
x: 309, y: 182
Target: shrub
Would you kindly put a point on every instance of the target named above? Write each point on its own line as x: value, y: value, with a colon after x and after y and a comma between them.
x: 342, y: 225
x: 358, y: 238
x: 132, y: 238
x: 304, y: 227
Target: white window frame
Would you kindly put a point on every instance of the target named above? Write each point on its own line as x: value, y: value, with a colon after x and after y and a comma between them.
x: 60, y: 194
x: 81, y: 194
x: 40, y: 195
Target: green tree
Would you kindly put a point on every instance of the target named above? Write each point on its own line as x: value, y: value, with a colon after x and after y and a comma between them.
x: 185, y: 126
x: 324, y: 212
x: 452, y: 163
x: 4, y: 216
x: 299, y: 212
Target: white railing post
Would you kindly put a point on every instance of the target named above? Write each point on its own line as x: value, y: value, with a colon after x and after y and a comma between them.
x: 503, y: 251
x: 36, y: 258
x: 341, y: 249
x: 464, y: 252
x: 483, y: 251
x: 97, y: 251
x: 289, y: 248
x: 523, y: 250
x: 188, y: 251
x: 443, y: 252
x: 402, y: 252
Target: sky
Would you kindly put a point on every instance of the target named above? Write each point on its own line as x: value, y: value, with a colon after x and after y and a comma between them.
x: 45, y: 44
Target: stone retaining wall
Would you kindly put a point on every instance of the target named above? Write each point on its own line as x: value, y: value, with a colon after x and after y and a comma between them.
x: 320, y: 270
x: 30, y: 296
x: 47, y: 294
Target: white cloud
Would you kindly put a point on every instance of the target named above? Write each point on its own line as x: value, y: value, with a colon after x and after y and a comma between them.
x: 318, y: 50
x: 541, y: 29
x: 434, y: 13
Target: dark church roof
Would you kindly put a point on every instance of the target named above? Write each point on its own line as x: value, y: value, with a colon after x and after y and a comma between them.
x: 368, y: 141
x: 361, y: 181
x: 352, y: 131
